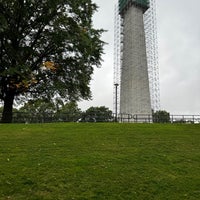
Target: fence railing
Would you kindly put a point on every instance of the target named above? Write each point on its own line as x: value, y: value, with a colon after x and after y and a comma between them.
x: 194, y: 119
x: 139, y: 118
x: 147, y: 118
x: 27, y: 117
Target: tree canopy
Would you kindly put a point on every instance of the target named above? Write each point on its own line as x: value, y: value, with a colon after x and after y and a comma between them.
x: 48, y: 48
x: 161, y: 116
x: 97, y: 114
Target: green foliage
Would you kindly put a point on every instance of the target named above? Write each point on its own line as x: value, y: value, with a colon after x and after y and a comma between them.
x: 40, y: 110
x: 97, y: 114
x: 70, y: 107
x: 69, y: 112
x: 38, y: 106
x: 44, y: 110
x: 161, y: 116
x: 99, y: 161
x: 57, y: 32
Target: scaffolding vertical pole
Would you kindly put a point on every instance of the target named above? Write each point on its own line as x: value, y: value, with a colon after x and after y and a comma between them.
x: 152, y: 54
x: 117, y: 58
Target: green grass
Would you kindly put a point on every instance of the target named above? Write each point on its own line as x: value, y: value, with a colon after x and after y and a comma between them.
x: 99, y: 161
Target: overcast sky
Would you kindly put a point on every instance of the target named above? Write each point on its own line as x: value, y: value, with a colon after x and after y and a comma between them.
x: 179, y: 56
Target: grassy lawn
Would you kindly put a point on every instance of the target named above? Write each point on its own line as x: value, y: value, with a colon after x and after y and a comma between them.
x: 99, y: 161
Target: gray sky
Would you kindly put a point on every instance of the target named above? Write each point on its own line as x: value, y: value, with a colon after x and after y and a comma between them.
x: 179, y: 56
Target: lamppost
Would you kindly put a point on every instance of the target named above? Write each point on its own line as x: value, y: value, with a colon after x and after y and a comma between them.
x: 116, y: 85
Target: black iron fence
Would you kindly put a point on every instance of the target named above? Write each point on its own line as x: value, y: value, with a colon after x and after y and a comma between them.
x: 142, y: 118
x: 27, y: 117
x: 139, y: 118
x: 193, y: 119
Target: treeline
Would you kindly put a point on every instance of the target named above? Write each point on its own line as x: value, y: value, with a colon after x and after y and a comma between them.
x: 40, y: 111
x: 44, y: 110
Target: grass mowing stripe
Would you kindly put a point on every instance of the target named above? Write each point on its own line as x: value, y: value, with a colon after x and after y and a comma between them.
x: 99, y: 161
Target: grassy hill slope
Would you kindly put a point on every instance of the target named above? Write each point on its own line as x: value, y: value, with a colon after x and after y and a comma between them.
x: 99, y: 161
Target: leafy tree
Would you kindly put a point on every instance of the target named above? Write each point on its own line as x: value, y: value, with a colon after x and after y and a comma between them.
x: 44, y: 110
x: 39, y: 110
x: 69, y: 112
x: 47, y: 48
x: 161, y: 116
x: 97, y: 114
x: 38, y: 106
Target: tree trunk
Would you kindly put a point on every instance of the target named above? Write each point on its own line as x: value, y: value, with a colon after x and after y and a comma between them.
x: 7, y: 109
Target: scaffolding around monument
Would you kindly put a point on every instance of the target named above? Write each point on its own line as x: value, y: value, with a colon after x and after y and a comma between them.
x: 150, y: 28
x: 151, y: 49
x: 118, y: 51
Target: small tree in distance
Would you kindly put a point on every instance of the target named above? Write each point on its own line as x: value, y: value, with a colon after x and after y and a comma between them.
x: 44, y: 110
x: 38, y: 106
x: 161, y: 116
x: 69, y: 112
x: 97, y: 114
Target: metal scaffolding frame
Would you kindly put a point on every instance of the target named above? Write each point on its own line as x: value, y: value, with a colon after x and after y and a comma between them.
x: 152, y: 54
x: 151, y: 50
x: 118, y: 51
